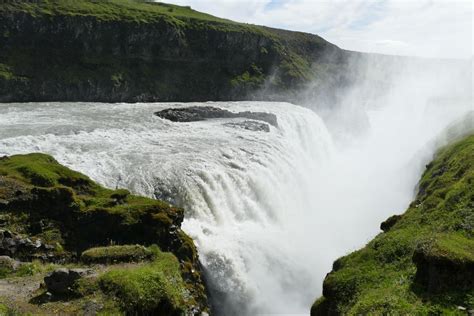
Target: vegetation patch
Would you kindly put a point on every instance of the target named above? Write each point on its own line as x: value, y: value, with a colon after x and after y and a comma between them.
x: 134, y: 10
x: 115, y: 254
x: 7, y: 311
x: 252, y: 79
x: 155, y: 288
x: 5, y: 72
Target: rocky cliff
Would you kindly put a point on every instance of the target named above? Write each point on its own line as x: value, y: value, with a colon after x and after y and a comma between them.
x: 69, y: 246
x: 134, y: 50
x: 423, y: 262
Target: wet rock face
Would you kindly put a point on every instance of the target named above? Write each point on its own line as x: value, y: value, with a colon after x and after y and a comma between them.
x: 201, y: 113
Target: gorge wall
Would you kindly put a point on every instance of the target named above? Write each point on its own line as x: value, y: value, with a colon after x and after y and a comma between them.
x: 132, y: 50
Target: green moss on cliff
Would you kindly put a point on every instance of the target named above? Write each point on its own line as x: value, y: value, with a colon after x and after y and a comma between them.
x: 250, y: 80
x: 424, y: 263
x: 44, y: 201
x: 5, y: 72
x: 133, y: 50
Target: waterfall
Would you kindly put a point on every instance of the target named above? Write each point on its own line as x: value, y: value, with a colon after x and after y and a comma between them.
x: 269, y: 212
x: 245, y: 192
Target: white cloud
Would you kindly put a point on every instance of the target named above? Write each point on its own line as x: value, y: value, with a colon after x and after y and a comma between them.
x: 430, y: 28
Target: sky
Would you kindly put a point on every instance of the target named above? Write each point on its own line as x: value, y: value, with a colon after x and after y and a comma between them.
x: 427, y: 28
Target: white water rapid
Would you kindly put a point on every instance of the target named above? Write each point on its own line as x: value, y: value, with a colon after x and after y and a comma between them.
x: 269, y: 212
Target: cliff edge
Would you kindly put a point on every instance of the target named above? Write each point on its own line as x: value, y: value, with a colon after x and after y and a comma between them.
x: 137, y: 50
x: 423, y: 262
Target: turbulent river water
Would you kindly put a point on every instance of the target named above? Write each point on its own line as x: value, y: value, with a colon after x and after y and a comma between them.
x: 269, y: 212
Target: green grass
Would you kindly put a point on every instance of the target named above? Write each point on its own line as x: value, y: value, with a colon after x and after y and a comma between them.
x: 121, y: 10
x: 42, y: 170
x: 381, y: 277
x: 114, y: 254
x: 454, y: 247
x: 7, y: 311
x: 25, y: 269
x: 155, y: 288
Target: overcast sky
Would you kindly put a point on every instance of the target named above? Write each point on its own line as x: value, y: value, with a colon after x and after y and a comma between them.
x: 429, y: 28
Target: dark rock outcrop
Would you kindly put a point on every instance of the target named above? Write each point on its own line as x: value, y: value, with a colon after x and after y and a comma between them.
x: 24, y: 248
x: 61, y: 280
x: 389, y: 222
x: 200, y: 113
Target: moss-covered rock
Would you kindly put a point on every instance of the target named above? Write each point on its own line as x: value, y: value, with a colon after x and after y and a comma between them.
x: 444, y: 262
x: 43, y: 200
x: 156, y: 288
x: 423, y: 263
x: 114, y: 254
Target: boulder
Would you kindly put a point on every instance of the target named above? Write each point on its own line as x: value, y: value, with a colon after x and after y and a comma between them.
x: 61, y: 280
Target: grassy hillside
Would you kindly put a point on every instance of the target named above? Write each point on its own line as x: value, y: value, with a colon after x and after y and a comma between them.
x: 423, y: 262
x: 52, y: 217
x: 132, y: 10
x: 135, y: 50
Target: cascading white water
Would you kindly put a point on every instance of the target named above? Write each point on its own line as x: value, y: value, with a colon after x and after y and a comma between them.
x: 269, y: 212
x: 244, y: 191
